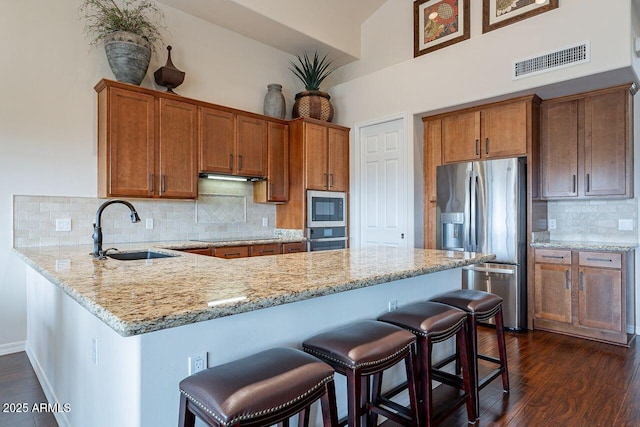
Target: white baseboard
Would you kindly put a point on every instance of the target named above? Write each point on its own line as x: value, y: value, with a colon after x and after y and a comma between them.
x: 61, y: 417
x: 12, y: 347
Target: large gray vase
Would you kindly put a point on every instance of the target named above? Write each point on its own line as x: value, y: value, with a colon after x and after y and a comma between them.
x: 274, y: 104
x: 128, y: 55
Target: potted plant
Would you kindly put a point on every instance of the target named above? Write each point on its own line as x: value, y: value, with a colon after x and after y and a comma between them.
x: 129, y: 32
x: 312, y: 102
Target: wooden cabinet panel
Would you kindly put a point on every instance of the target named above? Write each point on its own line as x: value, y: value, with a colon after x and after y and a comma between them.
x: 276, y: 186
x: 251, y: 146
x: 600, y: 299
x: 504, y: 129
x: 316, y: 156
x: 586, y: 148
x: 432, y: 159
x: 559, y: 146
x: 290, y: 248
x: 590, y: 296
x: 231, y: 252
x: 126, y: 143
x: 265, y: 249
x: 606, y: 144
x: 199, y: 251
x: 553, y: 292
x: 338, y: 160
x: 461, y: 137
x: 178, y: 149
x: 217, y: 137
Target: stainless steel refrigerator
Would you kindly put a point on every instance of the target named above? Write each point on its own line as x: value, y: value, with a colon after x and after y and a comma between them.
x: 481, y: 207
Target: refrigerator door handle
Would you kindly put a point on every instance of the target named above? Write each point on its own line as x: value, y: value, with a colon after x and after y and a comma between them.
x: 473, y: 240
x: 467, y: 212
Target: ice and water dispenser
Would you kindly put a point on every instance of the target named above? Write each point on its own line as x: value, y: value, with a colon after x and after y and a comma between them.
x: 452, y: 227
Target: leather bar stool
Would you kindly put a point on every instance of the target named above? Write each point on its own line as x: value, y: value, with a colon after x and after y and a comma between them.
x: 432, y: 322
x: 259, y: 390
x: 480, y: 306
x: 361, y: 350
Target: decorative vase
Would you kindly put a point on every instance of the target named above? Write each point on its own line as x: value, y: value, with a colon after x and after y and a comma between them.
x: 314, y: 104
x: 169, y: 76
x: 128, y: 55
x: 274, y: 103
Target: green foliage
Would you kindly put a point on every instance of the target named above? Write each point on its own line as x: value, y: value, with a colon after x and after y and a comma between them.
x: 312, y: 72
x: 141, y: 17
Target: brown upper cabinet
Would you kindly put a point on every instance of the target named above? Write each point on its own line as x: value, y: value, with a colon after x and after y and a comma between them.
x: 586, y: 145
x: 318, y: 160
x: 495, y: 131
x: 232, y: 144
x: 276, y: 187
x: 147, y: 145
x: 326, y: 157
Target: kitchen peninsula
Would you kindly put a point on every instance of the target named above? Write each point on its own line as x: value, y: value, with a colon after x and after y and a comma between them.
x: 113, y: 338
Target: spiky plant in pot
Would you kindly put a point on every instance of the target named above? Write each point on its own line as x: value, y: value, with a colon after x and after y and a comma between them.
x: 312, y: 102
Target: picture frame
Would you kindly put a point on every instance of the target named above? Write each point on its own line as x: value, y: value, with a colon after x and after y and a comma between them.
x: 499, y: 13
x: 438, y: 24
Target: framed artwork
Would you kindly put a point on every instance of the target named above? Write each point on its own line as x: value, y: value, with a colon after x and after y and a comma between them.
x: 439, y: 23
x: 498, y: 13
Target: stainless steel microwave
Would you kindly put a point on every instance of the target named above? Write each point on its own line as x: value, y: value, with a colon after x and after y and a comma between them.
x: 326, y: 209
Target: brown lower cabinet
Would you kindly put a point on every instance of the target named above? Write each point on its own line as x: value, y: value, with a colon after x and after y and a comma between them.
x: 250, y: 250
x: 585, y: 293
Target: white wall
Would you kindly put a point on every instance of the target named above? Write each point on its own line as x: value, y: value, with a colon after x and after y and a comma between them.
x: 48, y: 109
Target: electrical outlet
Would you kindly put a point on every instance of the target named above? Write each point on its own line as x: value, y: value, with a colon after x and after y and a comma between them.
x: 393, y: 305
x: 552, y: 224
x: 94, y: 351
x: 149, y: 223
x: 63, y: 224
x: 265, y: 222
x: 625, y: 224
x: 197, y: 362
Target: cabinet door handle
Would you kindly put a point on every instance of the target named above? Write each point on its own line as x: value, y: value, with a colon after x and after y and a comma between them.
x: 163, y: 183
x: 477, y: 147
x: 581, y: 287
x: 270, y: 251
x: 573, y: 184
x: 233, y: 254
x: 240, y: 162
x: 331, y: 175
x: 486, y: 146
x: 326, y: 180
x: 553, y: 256
x: 152, y: 180
x: 270, y: 189
x: 600, y: 259
x: 230, y: 162
x: 566, y: 279
x: 588, y: 184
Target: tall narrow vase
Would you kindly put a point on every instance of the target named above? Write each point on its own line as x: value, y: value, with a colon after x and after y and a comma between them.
x: 274, y: 103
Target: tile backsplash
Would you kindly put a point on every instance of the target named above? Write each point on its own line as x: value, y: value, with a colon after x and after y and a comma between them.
x: 223, y: 210
x: 593, y: 220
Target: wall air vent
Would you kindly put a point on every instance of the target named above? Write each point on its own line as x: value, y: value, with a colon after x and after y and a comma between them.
x: 571, y: 55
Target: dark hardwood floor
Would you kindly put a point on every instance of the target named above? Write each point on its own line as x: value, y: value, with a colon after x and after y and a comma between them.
x: 19, y: 385
x: 555, y: 381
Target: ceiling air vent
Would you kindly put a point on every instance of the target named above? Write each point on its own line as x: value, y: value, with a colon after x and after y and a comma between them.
x: 572, y: 55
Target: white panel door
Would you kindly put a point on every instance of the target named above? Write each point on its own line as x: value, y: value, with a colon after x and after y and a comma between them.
x: 383, y: 185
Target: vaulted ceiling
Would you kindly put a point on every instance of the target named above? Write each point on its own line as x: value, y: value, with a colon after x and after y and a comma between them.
x: 293, y: 26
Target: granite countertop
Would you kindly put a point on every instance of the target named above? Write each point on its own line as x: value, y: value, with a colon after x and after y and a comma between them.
x: 590, y: 246
x: 135, y: 297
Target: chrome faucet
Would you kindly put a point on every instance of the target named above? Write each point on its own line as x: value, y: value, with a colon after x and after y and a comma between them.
x: 97, y: 228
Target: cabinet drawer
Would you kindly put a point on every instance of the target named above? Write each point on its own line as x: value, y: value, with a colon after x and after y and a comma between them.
x: 266, y: 249
x: 600, y: 259
x: 231, y: 252
x: 289, y: 248
x: 552, y: 256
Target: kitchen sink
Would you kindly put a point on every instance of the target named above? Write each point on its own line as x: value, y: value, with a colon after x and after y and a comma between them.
x: 131, y: 256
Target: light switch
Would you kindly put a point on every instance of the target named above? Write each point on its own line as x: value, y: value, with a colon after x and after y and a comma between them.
x: 63, y: 224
